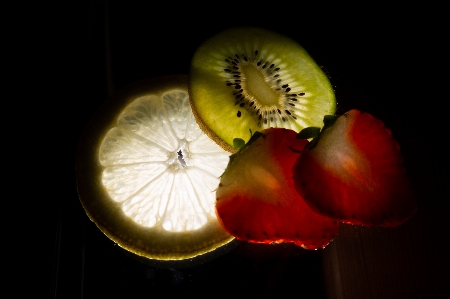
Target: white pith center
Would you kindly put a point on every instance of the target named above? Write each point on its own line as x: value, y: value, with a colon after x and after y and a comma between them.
x: 179, y: 159
x: 160, y: 166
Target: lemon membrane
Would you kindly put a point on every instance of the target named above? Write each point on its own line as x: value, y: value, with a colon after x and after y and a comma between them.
x: 147, y: 174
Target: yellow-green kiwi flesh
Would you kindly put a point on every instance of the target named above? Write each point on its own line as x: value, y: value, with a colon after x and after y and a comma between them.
x: 247, y: 79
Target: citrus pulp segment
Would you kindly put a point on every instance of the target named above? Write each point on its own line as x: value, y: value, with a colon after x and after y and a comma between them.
x: 250, y: 78
x: 147, y: 174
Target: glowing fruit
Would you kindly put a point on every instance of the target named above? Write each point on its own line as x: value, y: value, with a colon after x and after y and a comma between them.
x: 147, y: 174
x: 250, y: 78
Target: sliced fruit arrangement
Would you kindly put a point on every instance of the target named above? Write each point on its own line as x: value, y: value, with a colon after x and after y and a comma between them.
x: 154, y: 170
x: 352, y: 171
x: 147, y: 174
x: 250, y: 79
x: 257, y: 200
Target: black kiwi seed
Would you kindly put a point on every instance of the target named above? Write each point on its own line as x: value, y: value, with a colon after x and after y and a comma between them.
x: 239, y: 114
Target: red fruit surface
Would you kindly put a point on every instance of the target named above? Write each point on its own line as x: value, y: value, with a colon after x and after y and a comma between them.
x: 257, y: 200
x: 355, y: 173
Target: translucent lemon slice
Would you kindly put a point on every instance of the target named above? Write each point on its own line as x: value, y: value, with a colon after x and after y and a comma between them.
x: 147, y: 174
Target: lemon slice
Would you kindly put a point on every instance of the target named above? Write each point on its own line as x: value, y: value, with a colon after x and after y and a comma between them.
x: 147, y: 174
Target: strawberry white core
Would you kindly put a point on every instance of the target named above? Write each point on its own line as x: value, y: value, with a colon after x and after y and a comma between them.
x: 159, y: 165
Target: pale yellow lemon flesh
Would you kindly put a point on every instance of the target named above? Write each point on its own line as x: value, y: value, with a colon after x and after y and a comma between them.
x: 147, y: 174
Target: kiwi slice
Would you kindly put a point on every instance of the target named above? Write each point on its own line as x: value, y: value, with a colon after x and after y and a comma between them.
x: 247, y: 79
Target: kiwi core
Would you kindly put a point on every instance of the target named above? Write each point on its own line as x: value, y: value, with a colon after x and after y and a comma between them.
x: 258, y: 87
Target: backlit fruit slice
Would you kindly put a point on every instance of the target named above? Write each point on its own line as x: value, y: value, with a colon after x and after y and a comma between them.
x: 257, y: 200
x: 147, y: 174
x: 355, y: 173
x: 250, y: 79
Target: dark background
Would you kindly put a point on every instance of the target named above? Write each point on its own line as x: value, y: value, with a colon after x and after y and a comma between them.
x: 382, y: 60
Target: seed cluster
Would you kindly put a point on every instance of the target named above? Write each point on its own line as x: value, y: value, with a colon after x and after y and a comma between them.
x: 268, y: 116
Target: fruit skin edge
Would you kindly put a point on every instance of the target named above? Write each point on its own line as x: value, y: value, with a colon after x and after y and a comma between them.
x: 211, y: 134
x: 107, y: 214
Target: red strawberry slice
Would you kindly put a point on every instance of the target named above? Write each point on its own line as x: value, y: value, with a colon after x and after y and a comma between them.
x: 257, y: 200
x: 355, y: 174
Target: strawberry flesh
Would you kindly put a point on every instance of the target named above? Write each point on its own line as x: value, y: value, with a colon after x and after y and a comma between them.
x: 257, y: 200
x: 355, y: 174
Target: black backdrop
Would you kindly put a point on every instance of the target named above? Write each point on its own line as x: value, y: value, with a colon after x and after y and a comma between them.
x: 379, y: 59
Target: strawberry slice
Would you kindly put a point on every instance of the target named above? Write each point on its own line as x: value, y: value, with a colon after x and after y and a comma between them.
x: 353, y: 172
x: 257, y: 200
